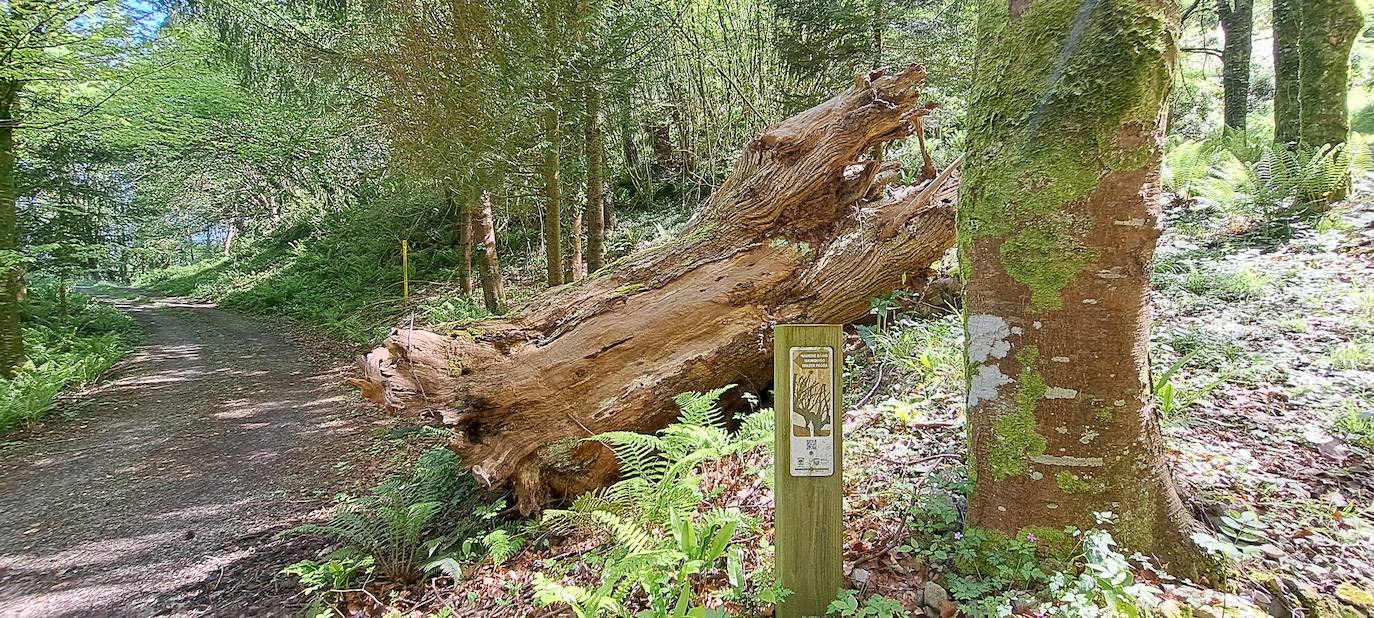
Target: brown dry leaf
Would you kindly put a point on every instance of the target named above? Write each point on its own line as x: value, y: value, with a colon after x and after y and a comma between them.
x: 949, y: 609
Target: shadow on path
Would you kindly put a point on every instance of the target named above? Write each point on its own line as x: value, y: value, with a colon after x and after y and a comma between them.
x: 165, y: 496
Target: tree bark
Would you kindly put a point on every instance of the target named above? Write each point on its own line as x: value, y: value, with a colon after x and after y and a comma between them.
x: 553, y: 190
x: 1058, y: 219
x: 1329, y: 29
x: 489, y: 267
x: 552, y: 168
x: 789, y: 237
x: 11, y: 337
x: 1287, y: 71
x: 596, y: 177
x: 1237, y: 19
x: 462, y: 220
x: 577, y: 269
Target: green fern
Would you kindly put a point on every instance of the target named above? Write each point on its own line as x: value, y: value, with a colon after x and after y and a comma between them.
x: 756, y: 429
x: 1240, y: 173
x: 502, y: 546
x: 657, y: 543
x: 1245, y: 147
x: 394, y: 523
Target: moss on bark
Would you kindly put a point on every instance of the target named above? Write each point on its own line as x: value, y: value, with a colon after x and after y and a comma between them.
x: 1287, y: 106
x: 1058, y: 213
x: 1329, y: 28
x: 1015, y: 439
x: 1077, y: 71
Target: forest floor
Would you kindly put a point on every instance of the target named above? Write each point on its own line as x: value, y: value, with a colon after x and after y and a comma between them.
x: 164, y: 490
x: 1264, y: 336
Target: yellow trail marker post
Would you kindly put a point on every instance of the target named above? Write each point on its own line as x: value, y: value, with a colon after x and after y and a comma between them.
x: 808, y: 488
x: 405, y: 270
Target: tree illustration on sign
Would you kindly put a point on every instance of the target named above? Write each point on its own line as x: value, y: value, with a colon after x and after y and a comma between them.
x: 811, y: 400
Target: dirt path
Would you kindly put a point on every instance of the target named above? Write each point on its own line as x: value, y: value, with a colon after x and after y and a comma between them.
x: 165, y: 496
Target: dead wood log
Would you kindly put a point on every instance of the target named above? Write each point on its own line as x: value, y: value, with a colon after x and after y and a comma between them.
x: 792, y: 236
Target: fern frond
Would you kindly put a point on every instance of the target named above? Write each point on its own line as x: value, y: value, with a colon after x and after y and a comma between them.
x: 627, y: 535
x: 756, y: 429
x: 502, y: 546
x: 636, y: 452
x: 700, y: 409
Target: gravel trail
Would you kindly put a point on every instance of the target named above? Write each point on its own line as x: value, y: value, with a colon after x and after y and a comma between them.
x: 164, y: 496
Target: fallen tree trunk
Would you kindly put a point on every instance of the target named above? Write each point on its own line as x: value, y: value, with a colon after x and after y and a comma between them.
x: 802, y: 231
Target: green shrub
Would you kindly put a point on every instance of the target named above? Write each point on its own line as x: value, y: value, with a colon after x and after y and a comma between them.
x: 1362, y: 121
x: 66, y: 348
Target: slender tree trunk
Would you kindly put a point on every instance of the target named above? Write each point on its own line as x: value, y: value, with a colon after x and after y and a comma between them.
x: 596, y: 177
x: 1329, y: 29
x: 462, y: 220
x: 489, y: 267
x: 1287, y: 72
x: 1058, y: 219
x: 231, y: 229
x: 1237, y: 25
x: 94, y: 237
x: 879, y: 22
x: 552, y: 169
x: 629, y: 150
x: 577, y: 269
x: 62, y: 297
x: 11, y: 338
x: 553, y: 191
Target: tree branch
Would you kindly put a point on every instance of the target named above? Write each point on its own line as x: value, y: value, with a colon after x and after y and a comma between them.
x: 19, y: 40
x: 1201, y: 50
x: 90, y: 110
x: 1190, y: 10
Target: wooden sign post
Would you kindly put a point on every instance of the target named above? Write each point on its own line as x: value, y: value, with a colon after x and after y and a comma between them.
x: 808, y: 489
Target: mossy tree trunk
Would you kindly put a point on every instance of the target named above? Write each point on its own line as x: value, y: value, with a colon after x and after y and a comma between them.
x: 1329, y: 28
x: 1058, y: 219
x: 1287, y: 19
x: 1237, y: 19
x: 804, y: 230
x: 11, y: 338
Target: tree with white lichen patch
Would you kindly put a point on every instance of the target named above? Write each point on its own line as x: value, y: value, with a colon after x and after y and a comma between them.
x: 1058, y: 219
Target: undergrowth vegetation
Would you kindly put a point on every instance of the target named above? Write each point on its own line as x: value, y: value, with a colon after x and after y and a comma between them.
x: 1242, y: 174
x: 341, y: 273
x: 70, y: 341
x: 410, y: 526
x: 660, y: 548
